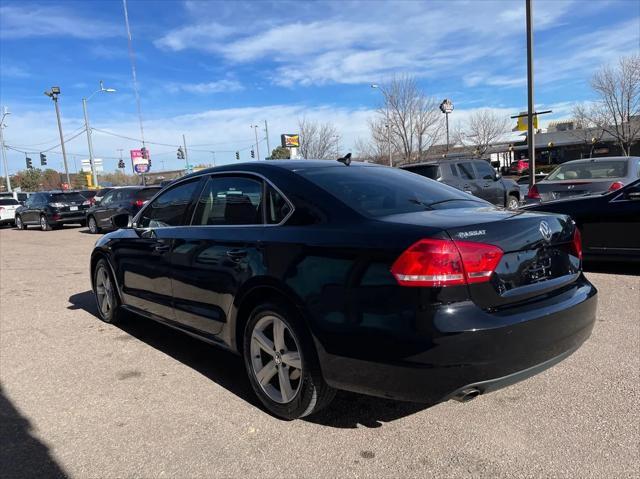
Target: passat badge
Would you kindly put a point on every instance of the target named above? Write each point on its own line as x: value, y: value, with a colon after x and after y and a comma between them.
x: 545, y: 230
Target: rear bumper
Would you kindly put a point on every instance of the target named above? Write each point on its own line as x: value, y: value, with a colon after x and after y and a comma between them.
x: 64, y: 218
x: 459, y: 346
x: 7, y: 221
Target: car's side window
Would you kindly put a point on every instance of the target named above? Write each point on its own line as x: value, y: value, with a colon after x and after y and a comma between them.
x: 277, y: 207
x: 466, y: 170
x: 170, y: 207
x: 229, y: 200
x: 638, y: 166
x: 108, y: 198
x: 454, y: 169
x: 485, y: 171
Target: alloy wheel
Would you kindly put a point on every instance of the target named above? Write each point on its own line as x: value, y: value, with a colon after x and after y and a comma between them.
x: 43, y: 223
x: 19, y: 222
x: 104, y: 292
x: 275, y: 359
x: 93, y: 227
x: 512, y: 203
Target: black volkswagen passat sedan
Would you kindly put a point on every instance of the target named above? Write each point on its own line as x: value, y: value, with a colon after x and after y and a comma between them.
x: 328, y: 276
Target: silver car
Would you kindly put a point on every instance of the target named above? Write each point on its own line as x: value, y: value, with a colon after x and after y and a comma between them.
x: 585, y: 177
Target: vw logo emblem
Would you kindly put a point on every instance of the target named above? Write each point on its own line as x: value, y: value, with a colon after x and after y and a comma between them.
x: 545, y: 230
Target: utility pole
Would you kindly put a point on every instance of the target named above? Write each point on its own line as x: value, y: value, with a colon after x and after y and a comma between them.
x: 53, y: 94
x: 213, y: 154
x: 186, y: 156
x: 530, y: 132
x: 5, y: 112
x: 266, y: 132
x: 94, y: 173
x: 255, y: 130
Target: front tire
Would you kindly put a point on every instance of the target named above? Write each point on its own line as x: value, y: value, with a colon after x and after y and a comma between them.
x: 93, y: 225
x: 105, y: 292
x: 282, y: 364
x: 19, y: 223
x: 512, y: 202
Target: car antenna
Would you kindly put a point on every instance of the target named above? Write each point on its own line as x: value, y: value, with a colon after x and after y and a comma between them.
x: 346, y: 159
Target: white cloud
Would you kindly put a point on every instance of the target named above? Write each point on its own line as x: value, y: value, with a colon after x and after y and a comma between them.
x: 51, y: 20
x: 219, y: 86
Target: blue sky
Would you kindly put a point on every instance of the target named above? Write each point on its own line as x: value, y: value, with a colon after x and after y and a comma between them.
x: 211, y: 69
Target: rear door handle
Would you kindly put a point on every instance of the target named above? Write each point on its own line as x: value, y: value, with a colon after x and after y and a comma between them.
x: 162, y: 248
x: 236, y: 254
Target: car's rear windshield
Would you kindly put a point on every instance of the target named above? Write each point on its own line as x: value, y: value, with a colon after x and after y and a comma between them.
x: 430, y: 171
x: 377, y: 191
x: 103, y: 192
x: 146, y: 193
x: 66, y: 197
x: 589, y: 170
x: 8, y: 201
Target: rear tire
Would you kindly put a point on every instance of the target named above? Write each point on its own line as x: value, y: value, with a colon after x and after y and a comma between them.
x: 44, y: 223
x: 93, y: 225
x: 512, y: 202
x: 106, y: 294
x: 282, y: 364
x: 19, y: 223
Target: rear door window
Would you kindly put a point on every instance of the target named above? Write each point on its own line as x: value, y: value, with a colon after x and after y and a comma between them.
x: 278, y: 208
x: 466, y: 170
x: 229, y: 200
x: 146, y: 193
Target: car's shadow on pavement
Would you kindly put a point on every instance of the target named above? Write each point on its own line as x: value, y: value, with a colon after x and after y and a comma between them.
x: 22, y: 455
x: 348, y: 410
x: 630, y: 269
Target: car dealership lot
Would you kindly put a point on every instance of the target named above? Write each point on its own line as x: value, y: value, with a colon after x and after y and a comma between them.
x: 86, y: 399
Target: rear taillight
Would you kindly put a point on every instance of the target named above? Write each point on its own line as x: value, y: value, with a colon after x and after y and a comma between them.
x: 533, y: 193
x: 576, y: 244
x: 92, y: 201
x: 86, y: 203
x: 616, y: 185
x: 441, y: 262
x: 138, y: 203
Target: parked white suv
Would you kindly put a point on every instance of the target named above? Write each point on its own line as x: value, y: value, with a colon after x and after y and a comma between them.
x: 8, y: 208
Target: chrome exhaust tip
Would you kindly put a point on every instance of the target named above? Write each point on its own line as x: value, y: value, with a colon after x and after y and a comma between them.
x: 467, y: 395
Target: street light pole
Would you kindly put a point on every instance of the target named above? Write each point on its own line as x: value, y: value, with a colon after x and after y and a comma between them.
x: 255, y: 130
x: 530, y: 115
x: 266, y: 132
x: 53, y: 94
x: 5, y: 112
x: 94, y: 172
x: 446, y: 107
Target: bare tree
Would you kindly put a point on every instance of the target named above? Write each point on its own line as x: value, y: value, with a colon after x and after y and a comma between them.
x: 586, y: 130
x: 371, y: 151
x: 413, y: 118
x: 482, y: 129
x: 318, y: 141
x: 617, y: 109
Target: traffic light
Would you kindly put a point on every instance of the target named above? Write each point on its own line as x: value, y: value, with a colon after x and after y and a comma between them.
x: 237, y: 155
x: 253, y: 154
x: 121, y: 164
x: 29, y: 162
x: 180, y: 153
x: 43, y: 159
x: 145, y: 153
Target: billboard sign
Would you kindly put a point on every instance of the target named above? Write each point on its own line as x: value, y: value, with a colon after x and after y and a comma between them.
x: 140, y: 160
x: 141, y: 167
x: 290, y: 140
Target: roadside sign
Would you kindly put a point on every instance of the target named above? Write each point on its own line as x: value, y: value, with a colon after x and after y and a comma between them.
x: 141, y: 167
x: 97, y: 163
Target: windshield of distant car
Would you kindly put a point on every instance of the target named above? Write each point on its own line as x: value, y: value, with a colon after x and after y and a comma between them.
x: 589, y: 170
x: 377, y: 191
x: 67, y: 197
x: 8, y: 202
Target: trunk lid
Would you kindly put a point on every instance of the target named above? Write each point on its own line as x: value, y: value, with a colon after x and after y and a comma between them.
x: 537, y: 260
x: 556, y: 190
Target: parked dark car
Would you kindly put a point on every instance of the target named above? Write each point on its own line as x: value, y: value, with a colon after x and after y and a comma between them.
x: 325, y: 276
x: 128, y: 199
x: 52, y: 209
x: 476, y: 177
x: 609, y: 222
x: 523, y: 183
x: 586, y: 177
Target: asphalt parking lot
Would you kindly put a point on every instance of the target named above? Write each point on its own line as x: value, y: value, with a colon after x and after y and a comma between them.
x: 85, y: 399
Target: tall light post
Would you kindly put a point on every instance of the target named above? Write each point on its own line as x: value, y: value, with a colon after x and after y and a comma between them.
x: 530, y: 114
x: 255, y: 130
x: 387, y: 124
x: 53, y: 94
x: 5, y: 113
x: 94, y: 173
x: 446, y: 107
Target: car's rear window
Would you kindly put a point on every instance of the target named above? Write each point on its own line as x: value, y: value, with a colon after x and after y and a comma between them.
x: 8, y: 201
x: 146, y: 193
x: 377, y: 191
x: 65, y: 197
x: 589, y: 170
x: 429, y: 171
x: 103, y: 192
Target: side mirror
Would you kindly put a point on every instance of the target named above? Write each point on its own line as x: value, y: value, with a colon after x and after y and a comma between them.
x: 120, y: 221
x: 498, y: 176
